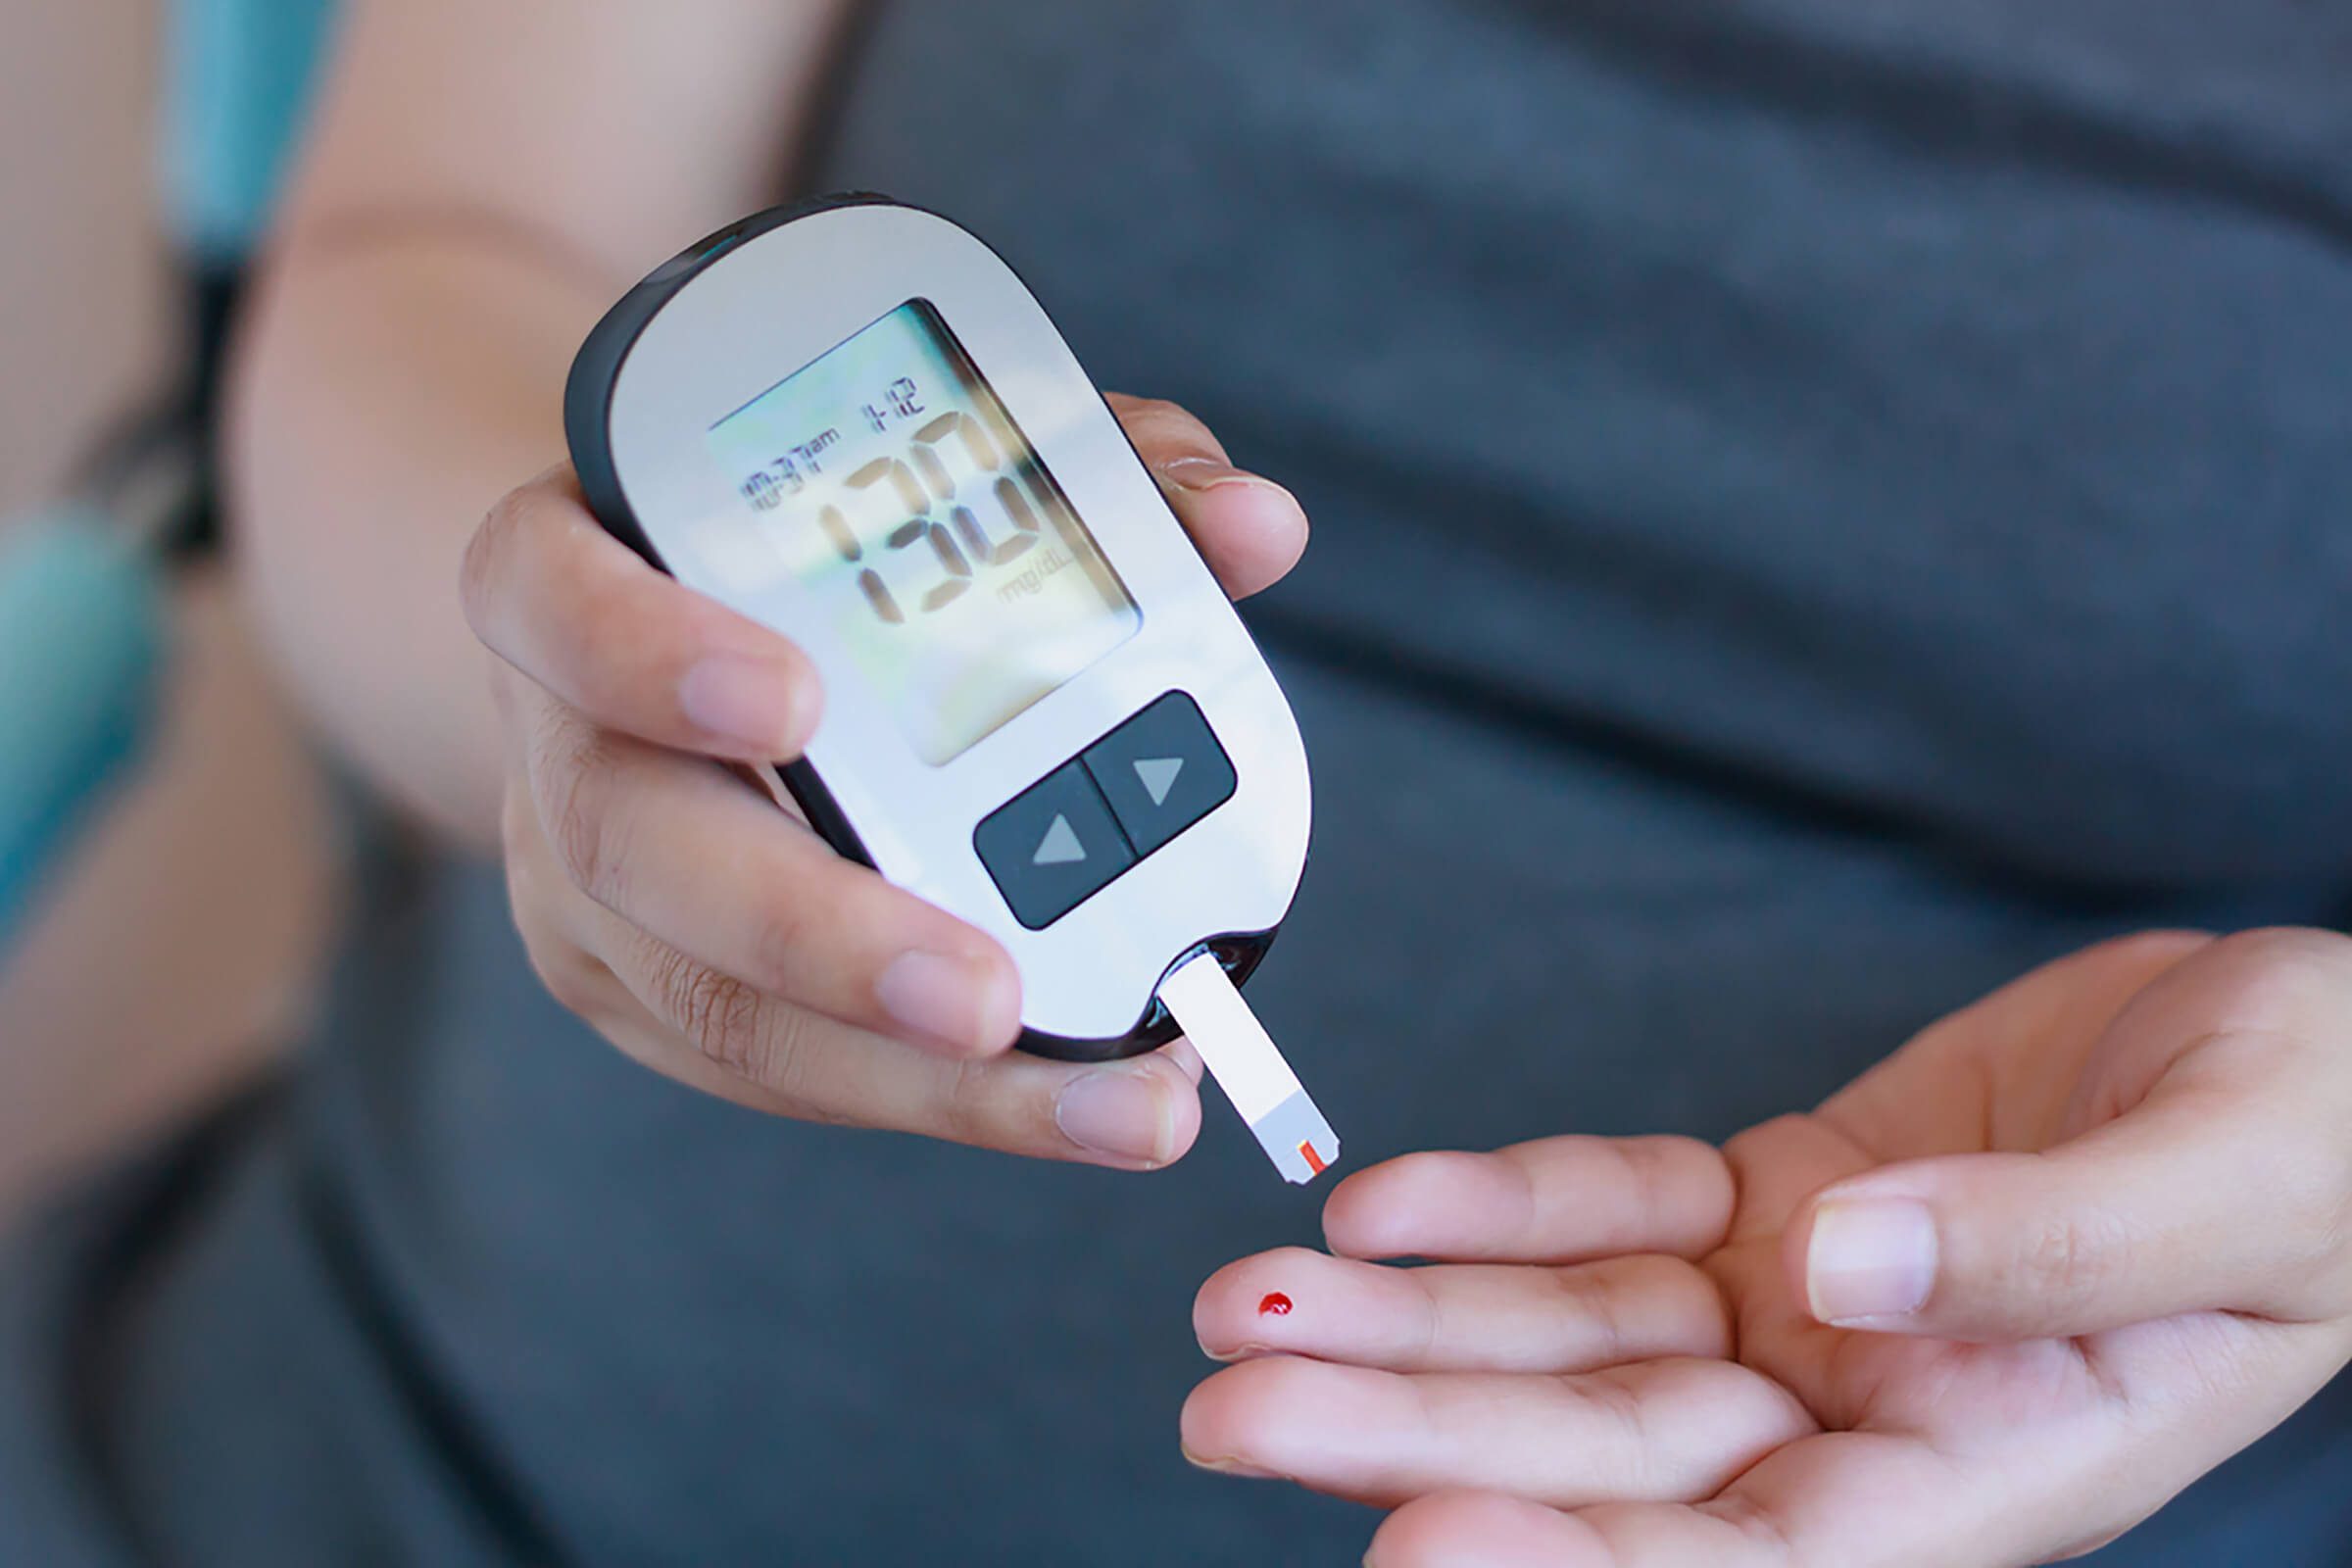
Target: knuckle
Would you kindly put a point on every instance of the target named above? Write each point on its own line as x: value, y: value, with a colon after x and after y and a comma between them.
x: 2146, y: 949
x: 1656, y: 1171
x: 1441, y: 1527
x: 966, y: 1109
x: 1755, y: 1519
x: 2291, y: 985
x: 1665, y: 1300
x: 2335, y: 1225
x: 779, y: 945
x: 1650, y: 1165
x: 519, y: 832
x: 1586, y: 1299
x: 1170, y: 424
x: 2313, y: 1201
x: 785, y: 1047
x: 577, y: 981
x: 2312, y: 1196
x: 2065, y: 1261
x: 477, y: 572
x: 2329, y: 1293
x: 1153, y: 411
x: 989, y: 1104
x: 1627, y: 1416
x: 2283, y: 944
x: 721, y: 1018
x: 597, y: 644
x: 578, y: 811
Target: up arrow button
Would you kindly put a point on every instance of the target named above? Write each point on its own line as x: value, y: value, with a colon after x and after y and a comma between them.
x: 1053, y: 847
x: 1061, y: 846
x: 1158, y: 774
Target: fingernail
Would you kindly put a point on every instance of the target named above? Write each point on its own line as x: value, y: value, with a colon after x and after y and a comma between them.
x: 752, y: 701
x: 1228, y: 1467
x: 1239, y: 1352
x: 937, y: 997
x: 1870, y: 1257
x: 1116, y: 1110
x: 1207, y: 473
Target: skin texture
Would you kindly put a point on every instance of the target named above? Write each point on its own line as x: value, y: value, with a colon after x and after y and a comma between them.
x: 2138, y: 1189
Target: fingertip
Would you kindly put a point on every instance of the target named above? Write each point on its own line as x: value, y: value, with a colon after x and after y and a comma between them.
x: 1185, y: 1124
x: 1354, y: 1225
x: 1475, y: 1530
x: 1200, y: 1427
x: 962, y: 1003
x: 1378, y: 1212
x: 1796, y: 1241
x: 761, y: 707
x: 1235, y: 1303
x: 1251, y: 530
x: 1247, y: 1418
x: 558, y: 598
x: 1284, y: 532
x: 1138, y: 1114
x: 1864, y: 1261
x: 1186, y: 1059
x: 1197, y: 1422
x: 1213, y: 1314
x: 999, y: 999
x: 808, y: 704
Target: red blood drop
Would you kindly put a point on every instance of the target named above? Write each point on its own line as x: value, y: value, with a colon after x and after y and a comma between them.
x: 1275, y: 1305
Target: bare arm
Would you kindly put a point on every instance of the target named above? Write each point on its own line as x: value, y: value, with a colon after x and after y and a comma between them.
x: 483, y: 181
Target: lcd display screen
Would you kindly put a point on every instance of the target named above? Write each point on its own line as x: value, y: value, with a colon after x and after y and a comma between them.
x: 889, y: 479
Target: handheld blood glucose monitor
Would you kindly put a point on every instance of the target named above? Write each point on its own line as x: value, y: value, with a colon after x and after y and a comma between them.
x: 851, y: 422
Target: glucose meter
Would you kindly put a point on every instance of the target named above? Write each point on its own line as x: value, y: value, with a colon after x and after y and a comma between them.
x: 851, y: 422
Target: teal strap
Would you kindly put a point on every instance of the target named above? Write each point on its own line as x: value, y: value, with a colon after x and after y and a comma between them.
x: 241, y: 73
x: 82, y: 621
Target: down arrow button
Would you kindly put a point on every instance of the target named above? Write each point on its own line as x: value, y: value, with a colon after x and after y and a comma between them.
x: 1162, y: 771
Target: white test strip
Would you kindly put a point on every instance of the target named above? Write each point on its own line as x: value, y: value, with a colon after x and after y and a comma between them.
x: 1250, y: 1068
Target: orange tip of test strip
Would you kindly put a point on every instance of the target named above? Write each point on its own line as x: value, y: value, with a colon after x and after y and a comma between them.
x: 1250, y: 1068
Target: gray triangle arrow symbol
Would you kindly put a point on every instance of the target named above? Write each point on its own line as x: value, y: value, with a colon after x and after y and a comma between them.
x: 1158, y: 774
x: 1061, y: 846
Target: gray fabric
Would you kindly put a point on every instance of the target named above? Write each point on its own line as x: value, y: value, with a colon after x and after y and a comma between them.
x: 1822, y: 503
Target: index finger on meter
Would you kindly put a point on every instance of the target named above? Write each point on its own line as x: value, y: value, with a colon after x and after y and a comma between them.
x: 554, y: 595
x: 1249, y: 530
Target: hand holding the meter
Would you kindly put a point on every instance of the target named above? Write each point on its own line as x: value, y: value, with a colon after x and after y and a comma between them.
x: 1994, y: 1304
x: 709, y: 935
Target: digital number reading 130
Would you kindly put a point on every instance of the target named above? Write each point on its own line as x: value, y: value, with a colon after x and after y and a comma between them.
x: 888, y: 478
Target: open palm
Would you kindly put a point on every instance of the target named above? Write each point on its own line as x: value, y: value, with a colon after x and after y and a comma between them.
x: 2134, y: 1190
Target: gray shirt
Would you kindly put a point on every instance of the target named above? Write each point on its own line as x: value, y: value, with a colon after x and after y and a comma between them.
x: 1821, y: 504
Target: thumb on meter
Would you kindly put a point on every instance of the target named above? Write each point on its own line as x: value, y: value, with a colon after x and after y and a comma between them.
x: 2197, y: 1200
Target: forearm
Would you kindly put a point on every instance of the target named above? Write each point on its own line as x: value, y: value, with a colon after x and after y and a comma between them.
x: 392, y: 387
x: 481, y: 182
